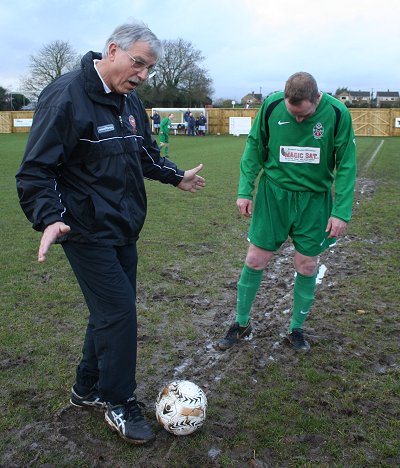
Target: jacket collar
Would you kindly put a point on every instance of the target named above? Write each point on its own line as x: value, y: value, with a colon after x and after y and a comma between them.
x: 93, y: 84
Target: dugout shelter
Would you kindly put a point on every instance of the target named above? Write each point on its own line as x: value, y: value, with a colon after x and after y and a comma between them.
x: 178, y: 123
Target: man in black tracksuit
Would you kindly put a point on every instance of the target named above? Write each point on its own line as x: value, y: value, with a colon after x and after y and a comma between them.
x: 81, y: 183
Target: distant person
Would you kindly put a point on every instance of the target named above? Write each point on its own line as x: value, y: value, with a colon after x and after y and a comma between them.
x: 301, y: 142
x: 164, y: 133
x: 191, y: 125
x: 202, y: 124
x: 156, y: 122
x: 186, y: 120
x: 81, y: 183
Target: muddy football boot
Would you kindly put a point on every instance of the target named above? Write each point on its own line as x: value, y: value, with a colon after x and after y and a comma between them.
x: 129, y: 423
x: 235, y: 333
x: 91, y: 400
x: 297, y: 341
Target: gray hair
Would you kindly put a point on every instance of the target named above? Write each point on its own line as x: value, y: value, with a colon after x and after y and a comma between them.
x: 126, y: 34
x: 300, y: 87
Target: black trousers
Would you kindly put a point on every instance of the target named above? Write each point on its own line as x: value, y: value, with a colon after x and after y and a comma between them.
x: 107, y: 278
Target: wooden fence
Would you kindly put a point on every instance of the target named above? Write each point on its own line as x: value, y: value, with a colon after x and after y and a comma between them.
x: 366, y: 122
x: 10, y: 121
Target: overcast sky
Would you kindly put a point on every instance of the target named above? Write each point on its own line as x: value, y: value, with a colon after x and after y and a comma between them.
x: 248, y: 45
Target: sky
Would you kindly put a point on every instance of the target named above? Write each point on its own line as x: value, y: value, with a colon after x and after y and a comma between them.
x: 248, y: 45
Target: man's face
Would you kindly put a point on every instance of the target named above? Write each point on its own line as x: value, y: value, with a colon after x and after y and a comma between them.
x: 303, y: 110
x: 128, y: 69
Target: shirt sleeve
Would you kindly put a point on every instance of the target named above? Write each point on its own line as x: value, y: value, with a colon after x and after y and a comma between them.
x: 254, y: 155
x: 50, y: 135
x: 345, y: 149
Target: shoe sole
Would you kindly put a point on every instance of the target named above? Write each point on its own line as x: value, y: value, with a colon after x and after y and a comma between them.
x: 218, y: 347
x: 302, y: 350
x: 298, y: 350
x: 221, y: 347
x: 130, y: 441
x: 89, y: 407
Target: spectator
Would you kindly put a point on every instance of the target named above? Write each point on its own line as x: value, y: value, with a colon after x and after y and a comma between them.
x: 156, y: 122
x: 202, y: 124
x: 186, y: 120
x: 191, y: 125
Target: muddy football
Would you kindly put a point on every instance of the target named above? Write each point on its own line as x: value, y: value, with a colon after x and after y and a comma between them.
x: 181, y: 407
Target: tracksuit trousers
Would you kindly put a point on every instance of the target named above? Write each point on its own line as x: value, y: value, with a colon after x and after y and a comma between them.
x: 107, y: 278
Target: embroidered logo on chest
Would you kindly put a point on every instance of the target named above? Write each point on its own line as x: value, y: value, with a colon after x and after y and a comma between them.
x: 132, y: 121
x: 318, y: 131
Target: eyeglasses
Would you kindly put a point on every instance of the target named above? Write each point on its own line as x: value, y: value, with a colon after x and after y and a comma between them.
x: 139, y: 66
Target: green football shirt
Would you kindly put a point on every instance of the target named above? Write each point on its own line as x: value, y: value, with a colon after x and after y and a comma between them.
x: 302, y: 156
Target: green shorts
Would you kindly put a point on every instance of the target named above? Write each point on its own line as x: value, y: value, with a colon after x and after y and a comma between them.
x: 279, y: 214
x: 164, y: 138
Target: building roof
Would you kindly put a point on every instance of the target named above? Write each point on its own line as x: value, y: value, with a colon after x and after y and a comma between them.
x: 387, y: 94
x: 360, y: 93
x: 254, y: 95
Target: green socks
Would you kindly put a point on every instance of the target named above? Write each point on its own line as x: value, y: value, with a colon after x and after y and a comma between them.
x: 303, y: 297
x: 247, y: 288
x: 249, y: 283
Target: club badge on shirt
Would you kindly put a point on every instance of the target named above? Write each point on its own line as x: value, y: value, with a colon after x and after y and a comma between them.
x: 132, y: 121
x: 318, y: 131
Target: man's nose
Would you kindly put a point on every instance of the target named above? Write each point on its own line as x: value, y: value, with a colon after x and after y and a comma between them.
x: 143, y: 74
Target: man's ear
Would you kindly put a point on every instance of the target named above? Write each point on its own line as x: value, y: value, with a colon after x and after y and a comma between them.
x: 112, y: 51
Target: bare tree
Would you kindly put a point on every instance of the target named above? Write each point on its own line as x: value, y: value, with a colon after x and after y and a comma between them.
x: 342, y: 90
x: 52, y: 61
x: 179, y: 79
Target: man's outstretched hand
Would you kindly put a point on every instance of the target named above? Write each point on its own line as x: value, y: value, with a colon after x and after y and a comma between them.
x: 49, y: 236
x: 192, y: 182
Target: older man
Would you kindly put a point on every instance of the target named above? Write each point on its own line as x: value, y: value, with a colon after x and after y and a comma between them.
x: 81, y: 183
x: 301, y: 141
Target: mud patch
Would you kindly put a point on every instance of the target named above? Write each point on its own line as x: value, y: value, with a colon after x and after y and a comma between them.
x: 80, y: 438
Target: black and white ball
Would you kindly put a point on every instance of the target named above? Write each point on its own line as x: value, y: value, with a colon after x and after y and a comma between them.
x: 181, y: 407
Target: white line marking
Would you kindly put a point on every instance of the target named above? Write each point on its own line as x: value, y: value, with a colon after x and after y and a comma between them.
x: 375, y: 153
x: 321, y: 273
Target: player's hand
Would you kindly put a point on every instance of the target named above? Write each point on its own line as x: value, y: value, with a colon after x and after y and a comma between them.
x: 245, y: 206
x: 49, y: 236
x: 192, y: 182
x: 336, y: 227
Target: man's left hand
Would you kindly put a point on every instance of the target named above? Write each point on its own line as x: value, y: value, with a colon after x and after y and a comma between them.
x: 336, y: 227
x: 192, y: 182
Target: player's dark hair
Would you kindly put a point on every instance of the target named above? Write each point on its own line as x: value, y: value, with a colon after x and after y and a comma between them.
x: 301, y: 86
x: 126, y: 34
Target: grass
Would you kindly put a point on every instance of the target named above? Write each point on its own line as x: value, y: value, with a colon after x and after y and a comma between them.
x: 338, y: 407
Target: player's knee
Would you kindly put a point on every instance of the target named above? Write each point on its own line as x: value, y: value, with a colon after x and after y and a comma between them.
x: 257, y: 262
x: 307, y: 268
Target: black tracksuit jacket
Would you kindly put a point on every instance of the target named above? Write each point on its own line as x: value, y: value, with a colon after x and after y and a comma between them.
x: 86, y: 158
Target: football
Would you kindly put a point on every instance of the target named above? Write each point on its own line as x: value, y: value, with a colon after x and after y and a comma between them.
x: 181, y: 407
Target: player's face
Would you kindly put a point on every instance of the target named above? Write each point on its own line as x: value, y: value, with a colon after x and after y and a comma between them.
x: 129, y: 68
x: 302, y: 111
